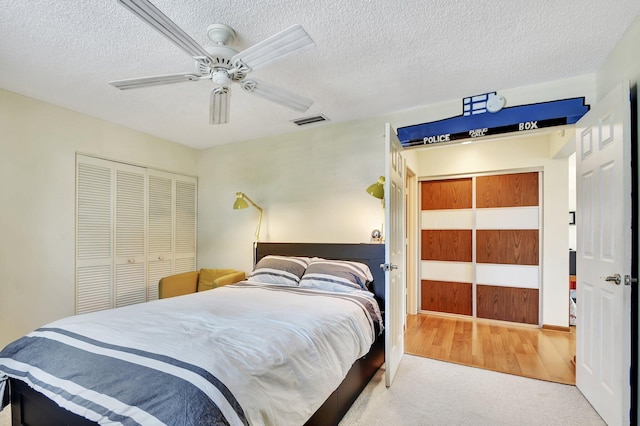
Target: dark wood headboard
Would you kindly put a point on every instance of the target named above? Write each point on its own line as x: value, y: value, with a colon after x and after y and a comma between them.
x: 370, y: 254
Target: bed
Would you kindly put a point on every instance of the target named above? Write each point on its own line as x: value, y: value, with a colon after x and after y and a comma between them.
x: 209, y: 358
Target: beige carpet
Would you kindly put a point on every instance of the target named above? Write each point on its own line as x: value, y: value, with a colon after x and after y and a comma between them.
x: 429, y: 392
x: 5, y: 417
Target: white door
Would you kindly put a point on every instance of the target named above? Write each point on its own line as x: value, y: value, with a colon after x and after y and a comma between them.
x: 130, y: 235
x: 186, y: 203
x: 603, y: 219
x: 160, y: 232
x: 394, y: 255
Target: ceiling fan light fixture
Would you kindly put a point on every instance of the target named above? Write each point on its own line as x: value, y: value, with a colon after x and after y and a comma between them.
x: 220, y: 63
x: 220, y: 105
x: 220, y: 78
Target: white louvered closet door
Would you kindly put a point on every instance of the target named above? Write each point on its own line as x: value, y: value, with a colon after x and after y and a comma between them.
x: 160, y: 229
x: 134, y: 226
x: 185, y: 224
x: 94, y: 225
x: 130, y: 235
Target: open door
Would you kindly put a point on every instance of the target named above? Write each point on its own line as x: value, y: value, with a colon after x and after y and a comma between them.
x: 603, y: 257
x: 394, y: 254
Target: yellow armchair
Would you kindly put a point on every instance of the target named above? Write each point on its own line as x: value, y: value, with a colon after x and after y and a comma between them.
x: 191, y: 282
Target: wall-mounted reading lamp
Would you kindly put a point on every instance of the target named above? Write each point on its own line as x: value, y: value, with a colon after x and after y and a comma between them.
x: 242, y: 204
x: 377, y: 190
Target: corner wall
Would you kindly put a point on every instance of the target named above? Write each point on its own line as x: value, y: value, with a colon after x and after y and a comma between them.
x: 37, y: 195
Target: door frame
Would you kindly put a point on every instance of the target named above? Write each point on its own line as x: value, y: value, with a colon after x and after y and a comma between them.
x: 635, y: 244
x: 413, y: 266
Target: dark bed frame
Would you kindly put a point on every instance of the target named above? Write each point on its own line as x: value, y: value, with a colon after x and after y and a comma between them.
x: 29, y: 407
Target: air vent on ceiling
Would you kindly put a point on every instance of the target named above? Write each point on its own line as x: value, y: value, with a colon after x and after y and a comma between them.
x: 309, y: 120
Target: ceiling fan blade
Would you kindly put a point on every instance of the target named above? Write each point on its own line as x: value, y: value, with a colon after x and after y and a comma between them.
x: 277, y: 95
x: 134, y: 83
x: 220, y: 105
x: 287, y: 42
x: 150, y: 14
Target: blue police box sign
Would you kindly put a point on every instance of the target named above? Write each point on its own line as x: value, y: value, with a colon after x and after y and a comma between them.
x: 484, y: 115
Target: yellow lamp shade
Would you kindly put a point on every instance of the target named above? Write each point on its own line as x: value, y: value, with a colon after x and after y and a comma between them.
x: 240, y: 202
x: 377, y: 189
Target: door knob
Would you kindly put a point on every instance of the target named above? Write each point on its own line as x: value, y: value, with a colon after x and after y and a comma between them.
x: 386, y: 267
x: 615, y: 279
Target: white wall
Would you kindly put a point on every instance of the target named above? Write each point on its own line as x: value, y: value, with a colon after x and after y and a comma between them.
x: 311, y: 185
x: 37, y: 199
x: 623, y: 63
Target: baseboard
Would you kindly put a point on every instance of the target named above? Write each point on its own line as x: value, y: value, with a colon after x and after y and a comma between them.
x: 556, y: 328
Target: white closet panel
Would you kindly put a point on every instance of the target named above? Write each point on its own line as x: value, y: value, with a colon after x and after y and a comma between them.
x: 161, y: 213
x: 185, y: 264
x: 518, y: 276
x: 461, y: 272
x: 130, y: 235
x: 94, y: 231
x: 134, y: 226
x: 508, y: 218
x: 130, y: 284
x: 94, y: 212
x: 130, y: 211
x: 447, y: 219
x: 185, y: 224
x: 157, y: 269
x: 93, y: 288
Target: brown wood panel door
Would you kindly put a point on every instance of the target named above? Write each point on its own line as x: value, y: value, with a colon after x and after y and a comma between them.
x: 507, y: 303
x: 447, y: 194
x: 510, y: 246
x: 452, y: 245
x: 510, y: 190
x: 450, y: 297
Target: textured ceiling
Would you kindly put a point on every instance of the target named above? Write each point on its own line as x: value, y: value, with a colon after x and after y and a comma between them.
x: 371, y: 57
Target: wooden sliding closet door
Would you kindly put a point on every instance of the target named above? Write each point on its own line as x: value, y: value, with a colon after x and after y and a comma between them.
x: 482, y: 251
x: 507, y: 247
x: 447, y: 246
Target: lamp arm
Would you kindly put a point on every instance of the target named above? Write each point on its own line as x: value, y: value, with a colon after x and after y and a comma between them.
x: 259, y: 223
x: 259, y: 219
x: 251, y: 202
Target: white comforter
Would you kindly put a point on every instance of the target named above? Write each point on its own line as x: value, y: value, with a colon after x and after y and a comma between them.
x: 265, y: 355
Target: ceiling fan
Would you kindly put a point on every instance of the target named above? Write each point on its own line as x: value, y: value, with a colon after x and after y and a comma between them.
x: 220, y: 63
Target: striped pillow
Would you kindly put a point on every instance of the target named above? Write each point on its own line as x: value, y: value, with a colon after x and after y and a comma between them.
x: 336, y: 275
x: 281, y: 270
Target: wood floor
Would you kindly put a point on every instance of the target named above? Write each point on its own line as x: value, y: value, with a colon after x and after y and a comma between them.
x: 520, y: 350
